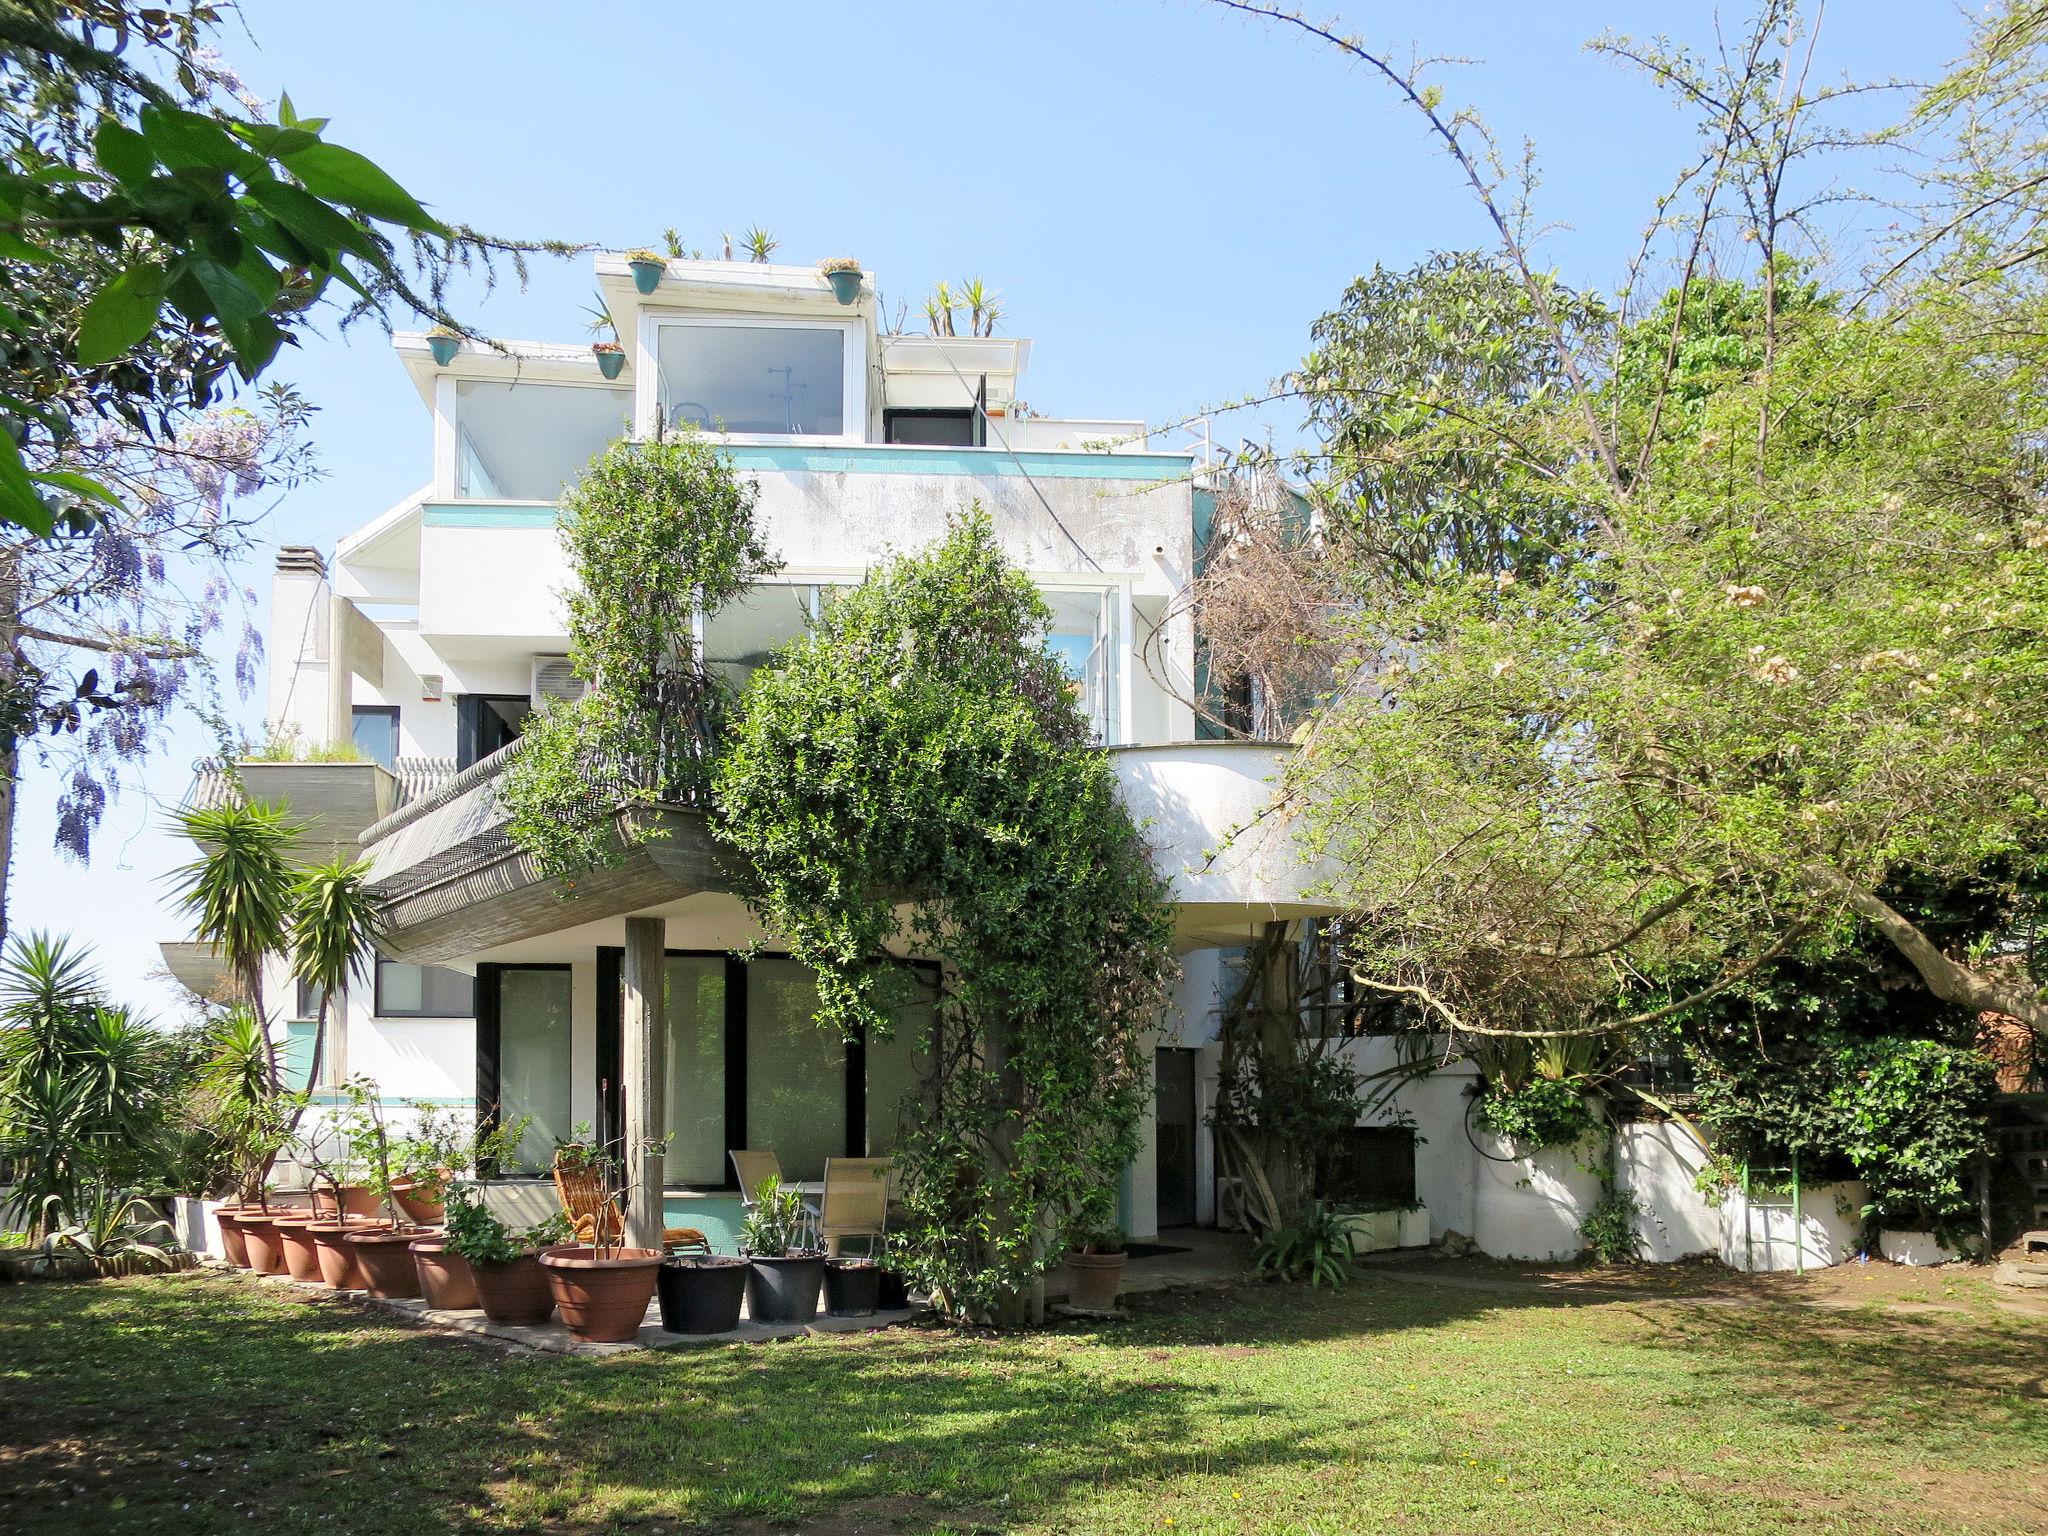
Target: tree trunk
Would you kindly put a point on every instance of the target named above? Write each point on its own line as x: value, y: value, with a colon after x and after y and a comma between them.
x: 1948, y: 979
x: 10, y: 741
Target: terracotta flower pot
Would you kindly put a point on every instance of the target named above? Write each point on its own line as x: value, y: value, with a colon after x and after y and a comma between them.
x: 338, y: 1266
x: 259, y: 1236
x: 421, y: 1200
x: 301, y: 1253
x: 514, y: 1292
x: 356, y: 1200
x: 233, y: 1246
x: 445, y: 1280
x: 1094, y: 1279
x: 602, y: 1300
x: 384, y: 1260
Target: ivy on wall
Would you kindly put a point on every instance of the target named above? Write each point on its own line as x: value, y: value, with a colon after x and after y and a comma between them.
x: 654, y: 532
x: 914, y: 775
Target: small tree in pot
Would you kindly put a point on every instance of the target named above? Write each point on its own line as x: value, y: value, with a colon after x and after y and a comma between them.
x: 785, y: 1265
x: 505, y: 1265
x: 602, y: 1287
x: 1095, y: 1266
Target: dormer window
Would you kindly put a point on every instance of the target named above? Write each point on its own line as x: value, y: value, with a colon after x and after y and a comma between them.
x: 760, y: 378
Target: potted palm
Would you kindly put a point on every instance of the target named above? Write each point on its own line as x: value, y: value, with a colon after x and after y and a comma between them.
x: 609, y: 351
x: 602, y: 1287
x: 784, y: 1266
x: 1095, y: 1269
x: 843, y: 273
x: 504, y: 1265
x: 647, y: 266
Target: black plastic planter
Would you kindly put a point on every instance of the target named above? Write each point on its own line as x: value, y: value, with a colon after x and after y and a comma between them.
x: 784, y: 1290
x: 701, y: 1295
x: 893, y: 1291
x: 853, y: 1287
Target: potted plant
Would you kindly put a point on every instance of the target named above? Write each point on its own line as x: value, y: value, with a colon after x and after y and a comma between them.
x: 853, y: 1287
x: 1095, y: 1269
x: 701, y: 1293
x: 843, y: 273
x: 301, y: 1253
x: 648, y: 267
x: 511, y: 1286
x: 784, y: 1268
x: 602, y: 1287
x: 444, y: 342
x: 610, y: 352
x: 445, y: 1281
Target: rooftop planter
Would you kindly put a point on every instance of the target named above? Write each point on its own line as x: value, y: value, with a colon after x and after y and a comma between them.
x: 844, y: 274
x: 648, y: 268
x: 444, y: 344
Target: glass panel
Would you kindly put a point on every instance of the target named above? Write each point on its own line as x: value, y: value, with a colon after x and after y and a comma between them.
x: 894, y: 1068
x: 770, y: 380
x: 748, y: 631
x: 375, y: 730
x: 525, y: 442
x: 297, y: 1065
x: 796, y: 1071
x: 696, y: 1069
x: 423, y: 992
x: 306, y: 999
x: 533, y: 1060
x: 938, y: 429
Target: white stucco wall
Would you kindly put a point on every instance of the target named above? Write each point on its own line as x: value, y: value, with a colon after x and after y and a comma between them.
x: 1657, y: 1161
x: 1761, y: 1235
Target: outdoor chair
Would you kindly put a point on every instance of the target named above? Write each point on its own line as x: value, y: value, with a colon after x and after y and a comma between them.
x: 597, y: 1218
x: 856, y: 1201
x: 753, y: 1169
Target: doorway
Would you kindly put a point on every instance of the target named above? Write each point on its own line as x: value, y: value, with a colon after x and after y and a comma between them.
x: 1174, y: 1159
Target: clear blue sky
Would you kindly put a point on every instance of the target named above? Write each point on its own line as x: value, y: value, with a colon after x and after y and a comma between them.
x: 1165, y: 194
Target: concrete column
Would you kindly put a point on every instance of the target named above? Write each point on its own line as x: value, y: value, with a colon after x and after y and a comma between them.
x: 341, y: 682
x: 644, y: 975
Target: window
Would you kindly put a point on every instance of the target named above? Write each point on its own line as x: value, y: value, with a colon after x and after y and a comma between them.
x: 531, y: 1054
x: 756, y: 378
x: 306, y: 1000
x: 374, y: 728
x: 1370, y: 1165
x: 423, y: 992
x: 747, y: 632
x: 796, y: 1071
x: 485, y: 722
x: 937, y: 429
x: 696, y: 1069
x: 296, y: 1067
x: 526, y: 442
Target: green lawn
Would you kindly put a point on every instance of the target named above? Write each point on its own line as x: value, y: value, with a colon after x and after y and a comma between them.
x: 203, y: 1403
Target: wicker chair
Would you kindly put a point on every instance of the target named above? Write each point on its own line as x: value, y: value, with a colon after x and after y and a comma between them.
x: 596, y: 1218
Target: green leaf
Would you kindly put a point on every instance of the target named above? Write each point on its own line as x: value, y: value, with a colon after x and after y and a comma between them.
x: 14, y: 248
x: 342, y: 176
x: 123, y: 152
x: 19, y: 503
x: 120, y: 315
x: 318, y: 225
x: 77, y: 484
x: 233, y: 300
x: 184, y: 140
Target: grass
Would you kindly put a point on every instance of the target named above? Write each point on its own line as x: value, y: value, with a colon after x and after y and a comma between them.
x: 206, y: 1403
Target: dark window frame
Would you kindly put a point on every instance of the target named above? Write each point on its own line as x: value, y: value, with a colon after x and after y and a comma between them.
x: 977, y: 424
x: 470, y: 709
x: 364, y: 711
x: 490, y: 1041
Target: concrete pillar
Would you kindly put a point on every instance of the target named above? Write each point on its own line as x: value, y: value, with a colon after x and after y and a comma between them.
x: 644, y: 975
x: 341, y: 682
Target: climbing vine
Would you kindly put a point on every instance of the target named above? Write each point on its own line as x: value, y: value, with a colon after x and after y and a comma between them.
x: 654, y: 532
x: 914, y: 776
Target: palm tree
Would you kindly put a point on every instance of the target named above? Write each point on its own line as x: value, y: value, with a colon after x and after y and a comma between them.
x: 984, y: 307
x: 238, y: 893
x: 335, y: 927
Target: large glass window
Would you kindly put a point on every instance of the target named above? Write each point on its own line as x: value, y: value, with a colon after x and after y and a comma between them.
x: 423, y: 992
x: 753, y: 379
x: 796, y: 1071
x: 375, y: 729
x: 747, y: 632
x: 895, y: 1066
x: 533, y: 1059
x: 696, y: 1069
x: 525, y: 442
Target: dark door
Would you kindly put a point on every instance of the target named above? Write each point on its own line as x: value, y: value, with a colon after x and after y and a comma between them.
x: 1175, y: 1075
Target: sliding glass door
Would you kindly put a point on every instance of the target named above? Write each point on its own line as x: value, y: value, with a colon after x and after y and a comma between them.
x: 524, y: 1057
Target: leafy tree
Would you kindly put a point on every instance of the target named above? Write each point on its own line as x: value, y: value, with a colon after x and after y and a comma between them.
x: 161, y: 238
x: 912, y: 775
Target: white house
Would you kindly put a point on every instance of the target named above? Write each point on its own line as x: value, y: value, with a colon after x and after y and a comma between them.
x: 436, y: 627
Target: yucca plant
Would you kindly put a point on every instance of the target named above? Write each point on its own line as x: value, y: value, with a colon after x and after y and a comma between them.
x: 938, y: 309
x: 759, y: 244
x: 334, y: 926
x: 249, y: 1115
x: 238, y: 892
x: 983, y: 305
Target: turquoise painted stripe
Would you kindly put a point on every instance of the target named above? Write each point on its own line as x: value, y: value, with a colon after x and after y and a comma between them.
x: 330, y: 1099
x: 447, y: 515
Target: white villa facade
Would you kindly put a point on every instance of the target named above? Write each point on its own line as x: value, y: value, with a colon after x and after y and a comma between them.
x: 437, y: 626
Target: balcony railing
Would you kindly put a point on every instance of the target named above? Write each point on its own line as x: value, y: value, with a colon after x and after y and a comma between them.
x: 217, y: 780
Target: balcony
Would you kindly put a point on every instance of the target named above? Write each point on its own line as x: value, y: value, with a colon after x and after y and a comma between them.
x: 334, y: 802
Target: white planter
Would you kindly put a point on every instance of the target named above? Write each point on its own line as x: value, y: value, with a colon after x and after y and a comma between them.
x: 197, y: 1224
x: 1372, y: 1231
x: 1915, y: 1248
x: 1529, y: 1206
x: 1758, y: 1233
x: 1415, y: 1227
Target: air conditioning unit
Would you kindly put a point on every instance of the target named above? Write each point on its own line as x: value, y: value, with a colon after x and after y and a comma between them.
x: 554, y: 679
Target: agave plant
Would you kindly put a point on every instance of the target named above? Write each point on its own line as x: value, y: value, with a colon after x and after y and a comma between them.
x: 106, y: 1233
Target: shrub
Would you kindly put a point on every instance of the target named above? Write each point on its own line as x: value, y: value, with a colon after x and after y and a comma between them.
x: 1317, y: 1250
x: 1543, y: 1112
x: 1609, y: 1230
